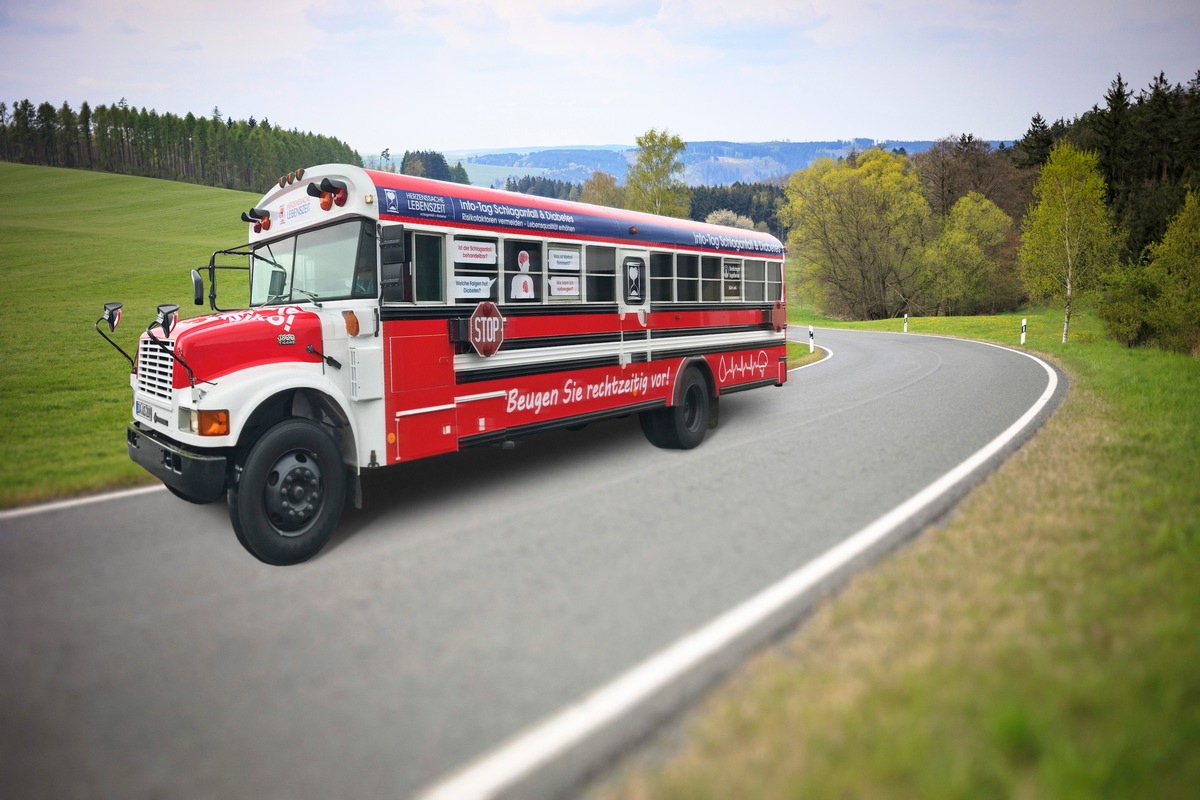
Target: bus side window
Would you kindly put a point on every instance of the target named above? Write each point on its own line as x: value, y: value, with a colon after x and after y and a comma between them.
x: 563, y: 279
x: 756, y: 279
x: 775, y: 280
x: 687, y: 278
x: 601, y: 269
x: 522, y: 271
x: 475, y: 269
x: 710, y: 279
x: 662, y: 277
x: 427, y: 268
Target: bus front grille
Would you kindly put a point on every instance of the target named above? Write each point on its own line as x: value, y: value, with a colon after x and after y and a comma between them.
x: 156, y: 368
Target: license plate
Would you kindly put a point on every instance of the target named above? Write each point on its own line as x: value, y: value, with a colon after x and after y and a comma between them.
x: 143, y: 410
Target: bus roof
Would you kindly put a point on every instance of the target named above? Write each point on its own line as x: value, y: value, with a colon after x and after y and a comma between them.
x: 413, y: 200
x: 406, y: 198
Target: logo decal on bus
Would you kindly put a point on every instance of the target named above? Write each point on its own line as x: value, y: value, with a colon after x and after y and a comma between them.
x: 743, y: 366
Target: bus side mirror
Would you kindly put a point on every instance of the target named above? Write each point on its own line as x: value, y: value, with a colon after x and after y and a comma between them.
x: 112, y: 315
x: 166, y: 319
x: 197, y: 287
x: 391, y: 245
x: 395, y: 283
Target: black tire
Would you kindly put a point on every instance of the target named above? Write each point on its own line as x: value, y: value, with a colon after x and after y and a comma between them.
x: 652, y: 422
x: 290, y: 495
x: 682, y: 426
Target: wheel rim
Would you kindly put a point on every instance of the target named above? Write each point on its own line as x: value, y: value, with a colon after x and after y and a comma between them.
x: 293, y: 492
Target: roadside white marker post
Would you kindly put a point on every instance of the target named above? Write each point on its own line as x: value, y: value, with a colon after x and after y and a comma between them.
x: 1023, y: 331
x: 906, y: 322
x: 810, y: 339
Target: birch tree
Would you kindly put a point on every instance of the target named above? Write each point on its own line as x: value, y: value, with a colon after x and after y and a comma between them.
x: 1068, y: 242
x: 655, y: 181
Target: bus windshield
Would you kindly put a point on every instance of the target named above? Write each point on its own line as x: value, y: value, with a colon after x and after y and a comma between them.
x: 334, y: 263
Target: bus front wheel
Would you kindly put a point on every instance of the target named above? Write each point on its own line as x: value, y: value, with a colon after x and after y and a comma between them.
x: 290, y: 494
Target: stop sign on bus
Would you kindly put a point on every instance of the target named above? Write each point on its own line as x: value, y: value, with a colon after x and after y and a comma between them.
x: 485, y: 329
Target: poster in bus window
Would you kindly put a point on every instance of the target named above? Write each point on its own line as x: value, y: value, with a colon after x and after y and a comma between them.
x: 522, y: 282
x: 732, y: 273
x: 563, y: 260
x: 564, y: 286
x: 472, y: 287
x: 466, y: 252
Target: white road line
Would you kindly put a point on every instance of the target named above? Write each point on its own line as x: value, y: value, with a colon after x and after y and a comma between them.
x: 60, y: 505
x: 827, y: 357
x: 526, y: 752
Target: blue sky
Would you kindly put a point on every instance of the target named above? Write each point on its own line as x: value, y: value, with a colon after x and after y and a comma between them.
x: 407, y: 74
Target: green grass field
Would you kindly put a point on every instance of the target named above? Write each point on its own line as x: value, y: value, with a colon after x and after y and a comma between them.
x: 71, y: 241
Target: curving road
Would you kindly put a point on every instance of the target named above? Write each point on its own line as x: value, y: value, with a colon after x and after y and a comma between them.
x: 437, y: 642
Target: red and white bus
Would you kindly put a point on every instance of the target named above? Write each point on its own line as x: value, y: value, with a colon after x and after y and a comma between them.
x: 392, y: 318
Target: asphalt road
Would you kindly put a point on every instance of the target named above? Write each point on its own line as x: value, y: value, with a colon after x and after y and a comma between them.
x: 144, y: 654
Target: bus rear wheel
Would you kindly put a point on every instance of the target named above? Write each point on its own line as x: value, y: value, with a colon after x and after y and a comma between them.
x: 290, y: 495
x: 681, y: 426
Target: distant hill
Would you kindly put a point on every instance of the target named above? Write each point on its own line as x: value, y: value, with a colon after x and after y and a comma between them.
x: 705, y: 163
x: 567, y: 164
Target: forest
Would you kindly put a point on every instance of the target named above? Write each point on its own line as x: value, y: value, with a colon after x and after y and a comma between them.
x: 248, y: 155
x: 1101, y: 209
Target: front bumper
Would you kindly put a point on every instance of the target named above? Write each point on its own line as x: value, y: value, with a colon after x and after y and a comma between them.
x: 198, y: 476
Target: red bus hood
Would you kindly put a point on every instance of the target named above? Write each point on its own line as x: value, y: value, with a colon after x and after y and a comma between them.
x: 218, y: 344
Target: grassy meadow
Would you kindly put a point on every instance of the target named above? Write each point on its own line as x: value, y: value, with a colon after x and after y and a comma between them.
x: 1042, y: 643
x: 72, y: 240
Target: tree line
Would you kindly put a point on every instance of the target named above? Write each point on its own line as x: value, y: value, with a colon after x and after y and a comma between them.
x: 235, y: 154
x: 1102, y: 208
x: 758, y: 202
x: 423, y: 164
x: 543, y: 187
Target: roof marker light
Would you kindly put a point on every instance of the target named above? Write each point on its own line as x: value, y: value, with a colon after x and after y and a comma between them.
x: 330, y: 192
x: 260, y: 218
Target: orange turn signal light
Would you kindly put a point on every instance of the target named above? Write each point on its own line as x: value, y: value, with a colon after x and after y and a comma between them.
x: 351, y: 322
x: 213, y: 423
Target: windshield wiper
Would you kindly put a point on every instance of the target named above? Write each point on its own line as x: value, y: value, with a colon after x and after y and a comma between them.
x: 316, y: 301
